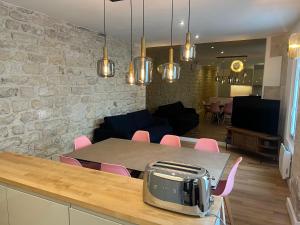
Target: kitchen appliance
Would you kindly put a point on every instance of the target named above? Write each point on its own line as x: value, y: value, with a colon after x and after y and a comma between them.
x: 178, y: 187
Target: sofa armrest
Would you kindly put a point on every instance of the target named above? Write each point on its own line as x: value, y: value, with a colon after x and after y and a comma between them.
x: 101, y: 134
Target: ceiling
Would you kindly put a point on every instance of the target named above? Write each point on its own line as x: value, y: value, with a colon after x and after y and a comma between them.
x: 212, y: 20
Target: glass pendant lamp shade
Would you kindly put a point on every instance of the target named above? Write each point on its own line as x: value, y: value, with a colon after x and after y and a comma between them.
x: 170, y: 70
x: 188, y: 51
x: 143, y: 67
x: 105, y: 67
x: 294, y: 46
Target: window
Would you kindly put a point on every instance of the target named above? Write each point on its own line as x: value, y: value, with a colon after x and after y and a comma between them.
x: 294, y: 109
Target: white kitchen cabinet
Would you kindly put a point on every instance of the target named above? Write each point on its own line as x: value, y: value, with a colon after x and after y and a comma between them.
x: 29, y: 209
x: 78, y: 217
x: 3, y: 206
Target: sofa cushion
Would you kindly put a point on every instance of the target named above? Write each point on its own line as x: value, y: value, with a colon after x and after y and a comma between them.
x: 158, y: 131
x: 141, y: 119
x: 171, y: 109
x: 120, y: 124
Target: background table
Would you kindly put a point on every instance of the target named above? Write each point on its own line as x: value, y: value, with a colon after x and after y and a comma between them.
x: 136, y: 155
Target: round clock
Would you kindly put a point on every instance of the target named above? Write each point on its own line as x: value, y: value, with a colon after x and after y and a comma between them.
x: 237, y: 66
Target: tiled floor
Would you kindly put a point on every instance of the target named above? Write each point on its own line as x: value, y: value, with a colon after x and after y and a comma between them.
x: 259, y: 195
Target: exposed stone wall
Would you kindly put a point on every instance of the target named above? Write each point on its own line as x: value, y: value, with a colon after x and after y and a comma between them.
x: 49, y: 90
x: 196, y: 83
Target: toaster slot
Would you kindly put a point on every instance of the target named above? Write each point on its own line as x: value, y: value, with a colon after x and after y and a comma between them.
x: 180, y: 165
x: 176, y: 168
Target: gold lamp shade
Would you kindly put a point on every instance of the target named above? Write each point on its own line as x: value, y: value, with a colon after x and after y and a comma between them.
x: 294, y: 46
x: 105, y: 67
x: 188, y: 50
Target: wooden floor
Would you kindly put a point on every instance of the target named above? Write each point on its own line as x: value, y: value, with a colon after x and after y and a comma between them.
x: 259, y: 194
x: 207, y: 129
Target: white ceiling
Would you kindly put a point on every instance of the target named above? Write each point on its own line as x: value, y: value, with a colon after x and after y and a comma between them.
x: 212, y: 20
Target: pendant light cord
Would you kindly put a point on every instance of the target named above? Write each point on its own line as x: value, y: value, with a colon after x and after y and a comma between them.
x: 131, y: 44
x: 143, y: 18
x: 189, y: 16
x: 104, y: 22
x: 172, y: 24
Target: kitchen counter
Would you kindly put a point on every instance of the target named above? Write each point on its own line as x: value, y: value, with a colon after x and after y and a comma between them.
x: 99, y: 192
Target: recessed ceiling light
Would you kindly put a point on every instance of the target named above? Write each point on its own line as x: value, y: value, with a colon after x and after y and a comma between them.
x: 181, y: 23
x: 197, y: 36
x: 222, y: 52
x: 212, y: 47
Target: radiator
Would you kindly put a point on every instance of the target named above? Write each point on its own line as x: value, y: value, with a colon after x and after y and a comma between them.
x: 285, y: 157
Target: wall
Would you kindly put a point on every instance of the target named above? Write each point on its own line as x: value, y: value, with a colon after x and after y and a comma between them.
x: 196, y: 83
x: 49, y: 90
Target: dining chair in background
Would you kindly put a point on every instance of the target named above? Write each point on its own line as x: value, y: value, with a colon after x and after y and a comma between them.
x: 207, y: 145
x: 225, y: 187
x: 141, y: 135
x: 227, y: 111
x: 171, y: 140
x: 81, y: 142
x: 206, y: 107
x: 69, y: 160
x: 215, y: 111
x: 116, y: 169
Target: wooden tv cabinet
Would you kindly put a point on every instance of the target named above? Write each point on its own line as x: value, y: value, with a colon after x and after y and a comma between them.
x: 260, y: 143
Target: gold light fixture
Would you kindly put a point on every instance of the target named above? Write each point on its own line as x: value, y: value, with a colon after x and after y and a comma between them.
x: 237, y: 66
x: 294, y: 46
x: 170, y: 70
x: 188, y: 51
x: 130, y: 79
x: 143, y: 65
x: 105, y: 67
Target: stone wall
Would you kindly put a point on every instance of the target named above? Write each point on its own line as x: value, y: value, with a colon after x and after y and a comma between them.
x: 196, y: 83
x: 49, y: 90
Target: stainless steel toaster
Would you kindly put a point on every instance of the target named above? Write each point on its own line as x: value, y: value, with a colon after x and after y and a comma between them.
x: 178, y: 187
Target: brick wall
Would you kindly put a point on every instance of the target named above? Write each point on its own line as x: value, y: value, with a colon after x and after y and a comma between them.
x: 49, y: 89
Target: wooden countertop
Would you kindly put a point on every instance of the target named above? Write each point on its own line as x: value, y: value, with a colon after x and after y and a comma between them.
x: 109, y: 194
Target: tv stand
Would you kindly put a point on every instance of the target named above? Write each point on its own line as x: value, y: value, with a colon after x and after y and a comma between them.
x: 260, y: 143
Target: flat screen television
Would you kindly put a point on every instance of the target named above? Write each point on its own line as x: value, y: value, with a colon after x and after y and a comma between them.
x: 256, y: 114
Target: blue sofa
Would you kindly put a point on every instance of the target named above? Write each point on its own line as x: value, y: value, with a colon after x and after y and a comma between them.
x: 124, y: 126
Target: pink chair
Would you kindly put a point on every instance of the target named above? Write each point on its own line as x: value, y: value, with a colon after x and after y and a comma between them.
x: 69, y: 160
x: 81, y: 142
x: 227, y: 111
x: 141, y: 135
x: 207, y: 145
x: 116, y: 169
x: 225, y: 187
x: 171, y: 140
x: 215, y: 111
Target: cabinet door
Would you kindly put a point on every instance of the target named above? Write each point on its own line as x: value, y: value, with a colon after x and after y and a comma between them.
x: 28, y: 209
x: 3, y: 207
x: 78, y: 217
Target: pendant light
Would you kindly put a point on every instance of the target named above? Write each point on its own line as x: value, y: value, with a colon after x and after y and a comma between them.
x: 171, y: 70
x: 188, y: 51
x: 294, y: 46
x: 143, y: 65
x: 105, y: 67
x: 130, y: 79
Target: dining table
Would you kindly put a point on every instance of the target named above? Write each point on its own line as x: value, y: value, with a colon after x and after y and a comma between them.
x: 136, y: 155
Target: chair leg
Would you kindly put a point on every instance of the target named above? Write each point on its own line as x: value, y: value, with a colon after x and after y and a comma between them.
x: 223, y: 211
x: 228, y: 210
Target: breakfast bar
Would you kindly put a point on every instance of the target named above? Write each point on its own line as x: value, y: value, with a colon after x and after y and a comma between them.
x: 57, y: 193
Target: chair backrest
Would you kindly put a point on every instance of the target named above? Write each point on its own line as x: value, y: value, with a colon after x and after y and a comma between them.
x: 69, y: 160
x: 81, y: 142
x: 230, y: 179
x: 228, y: 108
x: 141, y: 135
x: 215, y: 107
x: 171, y: 140
x: 116, y: 169
x: 207, y: 145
